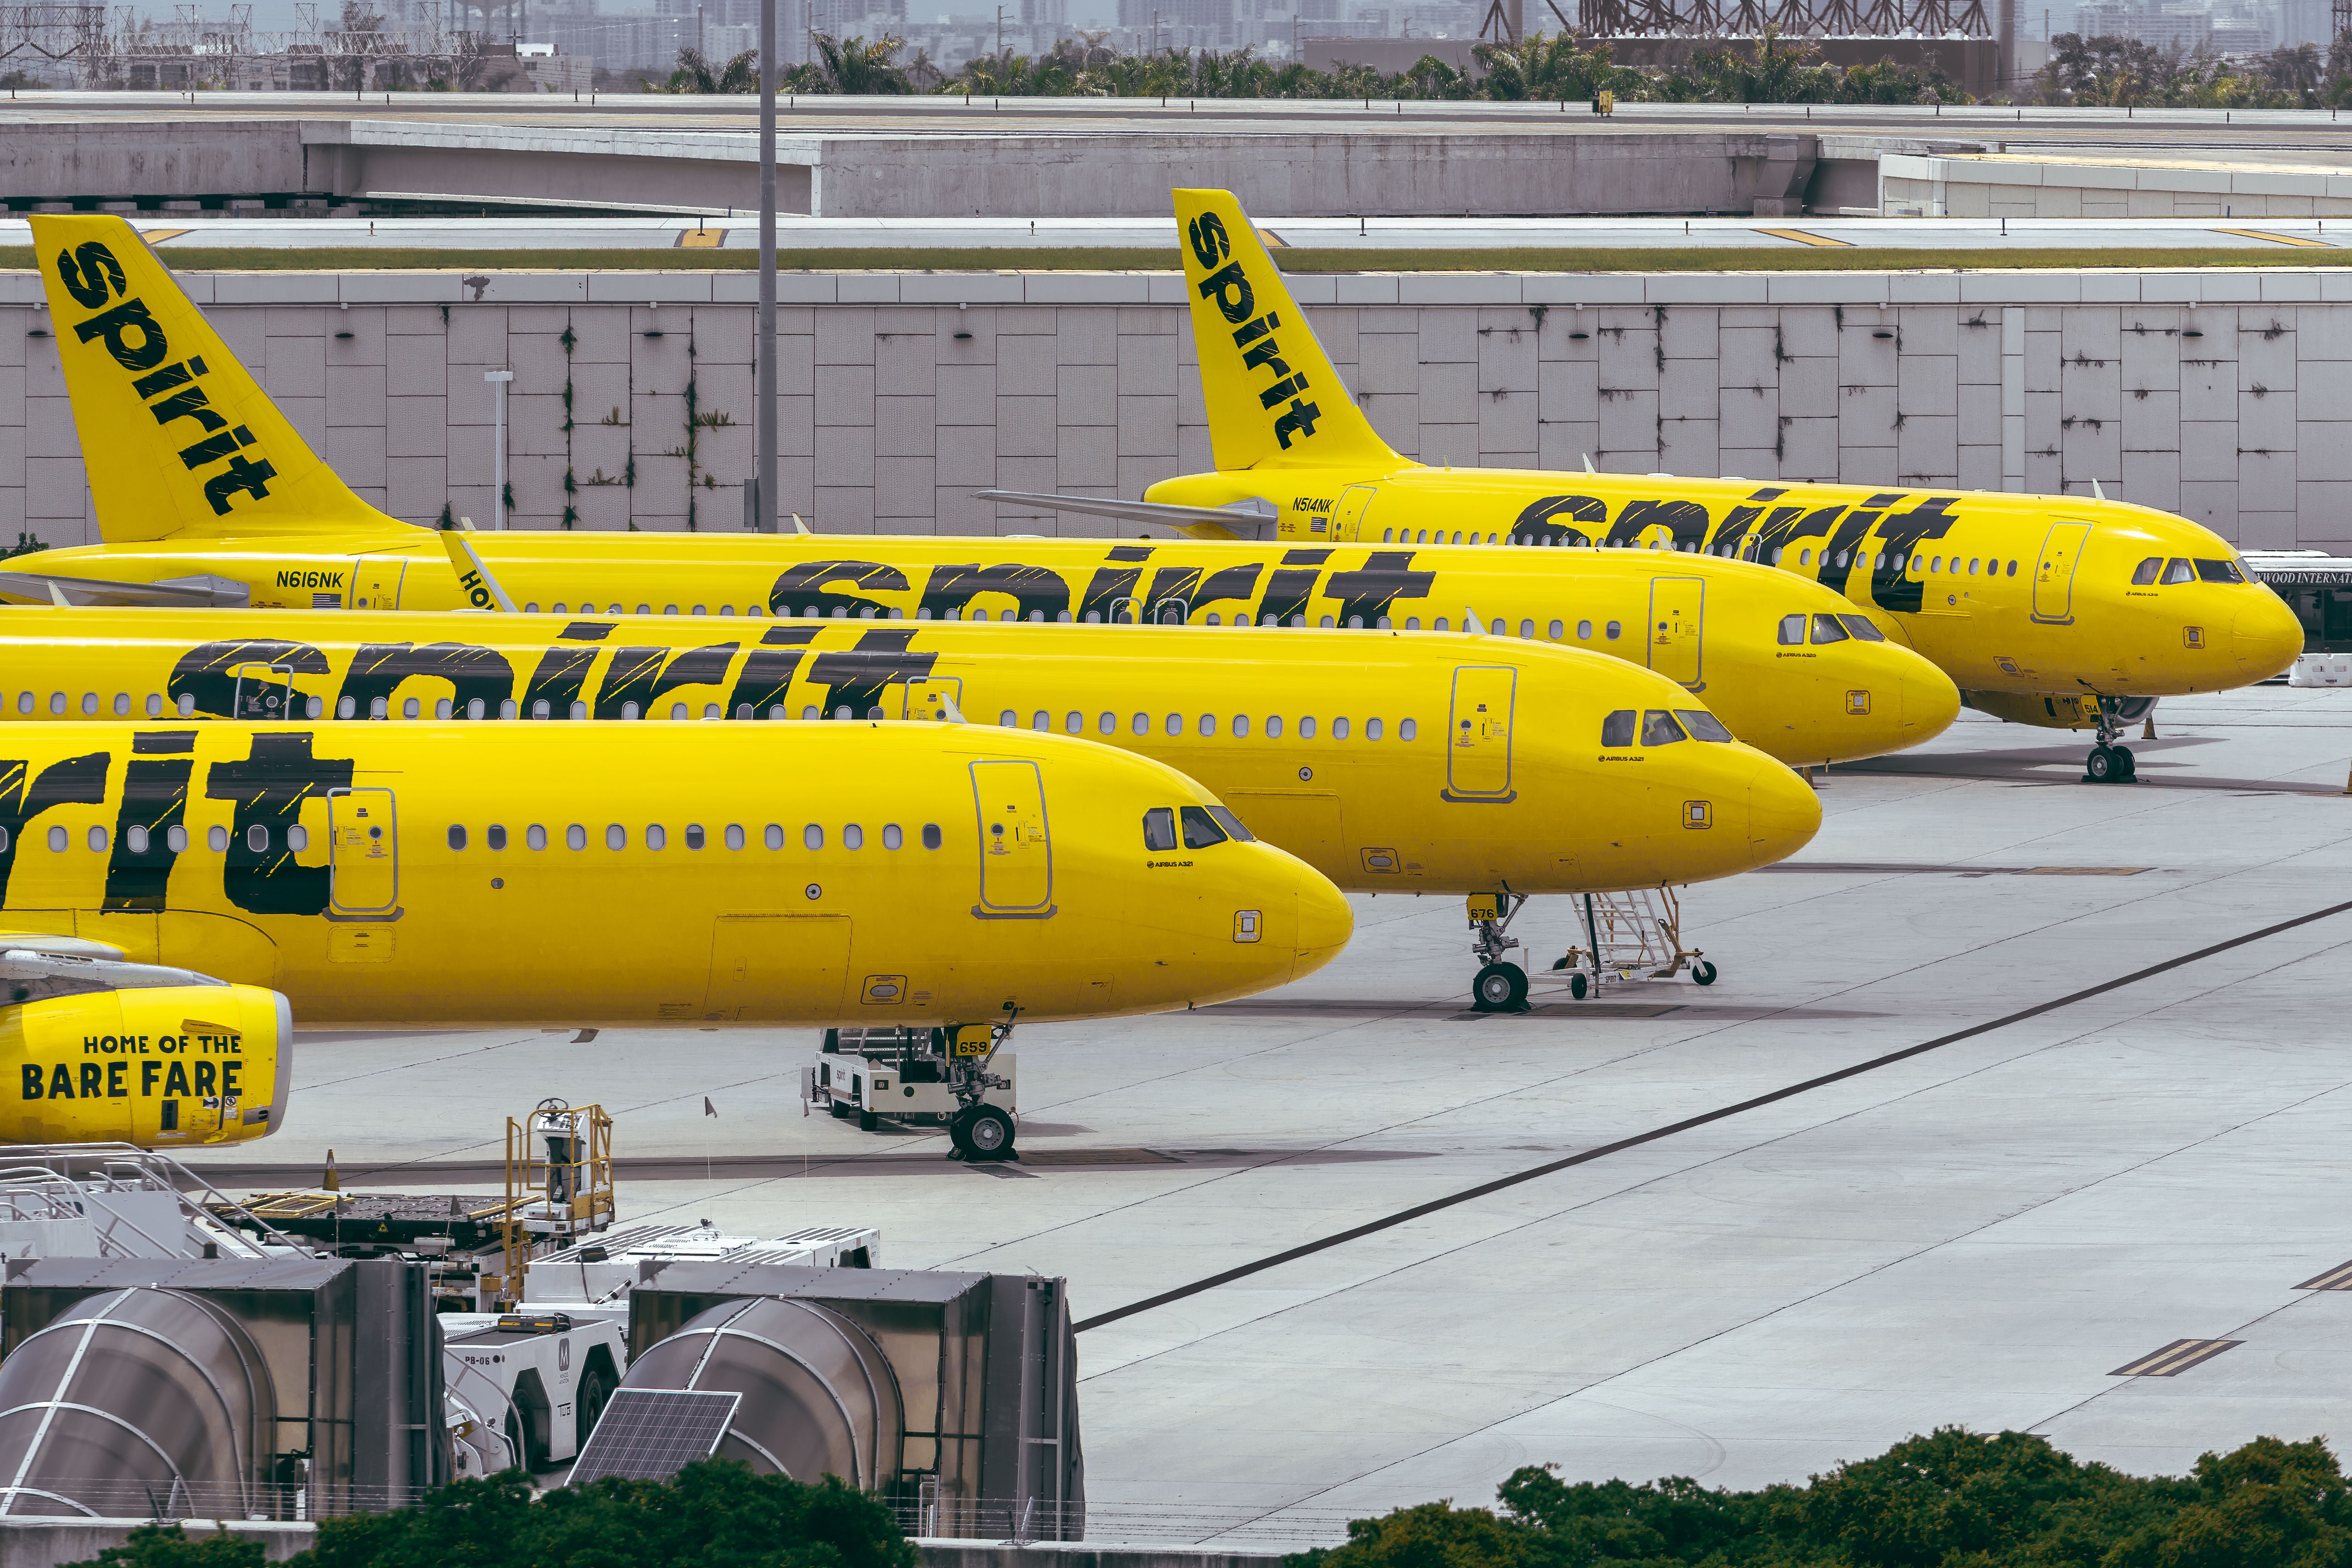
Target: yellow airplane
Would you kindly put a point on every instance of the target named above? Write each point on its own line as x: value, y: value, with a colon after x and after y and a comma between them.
x: 1429, y: 763
x: 947, y: 875
x: 2049, y: 610
x: 207, y: 496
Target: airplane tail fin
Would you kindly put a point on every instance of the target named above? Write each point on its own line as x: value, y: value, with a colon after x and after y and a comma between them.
x: 1273, y: 395
x: 177, y: 436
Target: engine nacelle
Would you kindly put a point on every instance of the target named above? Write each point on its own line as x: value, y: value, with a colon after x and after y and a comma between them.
x: 160, y: 1067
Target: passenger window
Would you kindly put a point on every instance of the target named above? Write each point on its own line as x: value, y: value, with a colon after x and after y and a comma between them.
x: 1041, y: 719
x: 1659, y: 728
x: 1371, y: 728
x: 1555, y: 631
x: 1617, y: 729
x: 2012, y: 569
x: 1274, y: 726
x: 1241, y: 726
x: 1528, y: 629
x: 1793, y: 631
x: 57, y: 840
x: 187, y: 705
x: 1307, y: 728
x: 2179, y: 570
x: 58, y: 703
x: 98, y: 839
x: 656, y: 835
x: 256, y: 838
x: 735, y: 835
x: 88, y: 702
x: 1173, y: 724
x: 931, y: 836
x: 495, y: 836
x: 2218, y: 572
x: 408, y: 708
x: 1339, y: 729
x: 1200, y: 829
x: 298, y: 838
x: 1702, y: 724
x: 1612, y: 629
x: 629, y: 711
x: 1861, y: 629
x: 615, y: 836
x: 1407, y: 728
x: 812, y: 837
x: 1584, y: 631
x: 1008, y: 720
x: 1108, y: 724
x: 1208, y: 724
x: 575, y: 837
x: 1232, y: 825
x: 1159, y: 828
x: 380, y: 708
x: 1141, y: 724
x: 175, y: 839
x: 852, y: 836
x: 891, y: 837
x: 694, y: 835
x: 121, y: 704
x: 1074, y: 724
x: 215, y: 840
x: 775, y: 835
x: 535, y: 837
x: 1826, y: 629
x: 136, y: 839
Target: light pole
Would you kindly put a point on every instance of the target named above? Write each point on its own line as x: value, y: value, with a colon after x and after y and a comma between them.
x: 498, y: 380
x: 763, y: 496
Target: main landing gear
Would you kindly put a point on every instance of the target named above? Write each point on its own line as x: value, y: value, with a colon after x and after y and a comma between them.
x: 1501, y: 986
x: 2109, y: 762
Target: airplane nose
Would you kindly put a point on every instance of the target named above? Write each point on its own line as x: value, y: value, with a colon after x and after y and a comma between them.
x: 1930, y: 702
x: 1783, y: 814
x: 1325, y: 923
x: 2267, y: 638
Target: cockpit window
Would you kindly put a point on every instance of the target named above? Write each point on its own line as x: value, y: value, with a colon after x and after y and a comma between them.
x: 1617, y: 730
x: 2145, y: 574
x: 1200, y: 829
x: 1232, y: 825
x: 1861, y: 629
x: 2179, y: 570
x: 1159, y: 828
x: 1702, y: 724
x: 1659, y: 728
x: 1826, y: 629
x: 2218, y: 572
x: 1793, y: 631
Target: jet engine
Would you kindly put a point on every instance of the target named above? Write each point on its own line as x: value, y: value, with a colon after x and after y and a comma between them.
x: 158, y: 1065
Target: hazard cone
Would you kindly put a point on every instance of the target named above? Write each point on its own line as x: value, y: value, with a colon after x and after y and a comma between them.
x: 332, y: 1182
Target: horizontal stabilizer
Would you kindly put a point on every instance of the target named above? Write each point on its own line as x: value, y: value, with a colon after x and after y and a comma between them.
x: 197, y: 593
x: 1251, y: 519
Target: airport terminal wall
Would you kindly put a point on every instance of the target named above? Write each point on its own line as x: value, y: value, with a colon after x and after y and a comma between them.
x: 2221, y: 394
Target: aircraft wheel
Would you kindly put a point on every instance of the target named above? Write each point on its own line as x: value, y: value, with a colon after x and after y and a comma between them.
x: 2102, y: 766
x: 1578, y: 985
x: 840, y: 1110
x: 1499, y: 988
x: 958, y: 1128
x: 1703, y: 973
x: 987, y: 1133
x: 2128, y: 769
x: 868, y: 1122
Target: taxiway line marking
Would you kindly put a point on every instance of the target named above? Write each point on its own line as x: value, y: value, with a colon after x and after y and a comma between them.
x: 1689, y: 1124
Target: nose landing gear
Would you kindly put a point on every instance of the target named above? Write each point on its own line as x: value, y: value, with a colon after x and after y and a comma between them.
x: 2109, y: 762
x: 1500, y: 986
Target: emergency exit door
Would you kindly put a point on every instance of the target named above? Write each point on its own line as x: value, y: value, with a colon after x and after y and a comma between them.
x: 265, y: 691
x: 1016, y: 854
x: 2053, y: 577
x: 375, y: 582
x: 1677, y: 614
x: 1348, y: 516
x: 1478, y: 738
x: 363, y: 854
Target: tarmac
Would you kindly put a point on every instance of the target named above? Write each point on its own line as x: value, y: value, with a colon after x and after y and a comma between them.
x: 2081, y: 1098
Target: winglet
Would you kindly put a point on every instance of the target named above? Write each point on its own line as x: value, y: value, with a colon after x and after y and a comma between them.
x: 1471, y: 623
x: 474, y: 579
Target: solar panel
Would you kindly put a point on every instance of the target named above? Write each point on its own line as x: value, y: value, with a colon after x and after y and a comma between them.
x: 651, y: 1434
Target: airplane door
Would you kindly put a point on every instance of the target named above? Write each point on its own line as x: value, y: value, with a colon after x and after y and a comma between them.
x: 766, y: 965
x: 1478, y: 755
x: 1017, y: 857
x: 933, y: 699
x: 265, y: 691
x: 1677, y: 614
x: 2053, y: 579
x: 364, y: 850
x: 1348, y: 516
x: 375, y: 582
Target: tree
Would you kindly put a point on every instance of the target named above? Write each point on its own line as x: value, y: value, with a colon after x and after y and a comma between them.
x: 169, y: 1546
x: 694, y: 74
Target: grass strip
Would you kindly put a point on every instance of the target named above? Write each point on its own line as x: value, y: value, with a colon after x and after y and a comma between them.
x: 1516, y: 259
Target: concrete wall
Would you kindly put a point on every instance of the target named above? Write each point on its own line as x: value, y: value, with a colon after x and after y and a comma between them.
x: 2016, y: 185
x: 2226, y: 394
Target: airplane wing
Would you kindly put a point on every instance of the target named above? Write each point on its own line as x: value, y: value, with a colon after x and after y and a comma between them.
x: 65, y: 962
x: 1252, y: 518
x: 200, y: 592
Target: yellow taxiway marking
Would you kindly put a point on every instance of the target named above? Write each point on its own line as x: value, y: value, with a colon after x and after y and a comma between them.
x: 158, y: 235
x: 2275, y: 238
x: 1802, y: 237
x: 1272, y: 241
x: 700, y: 239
